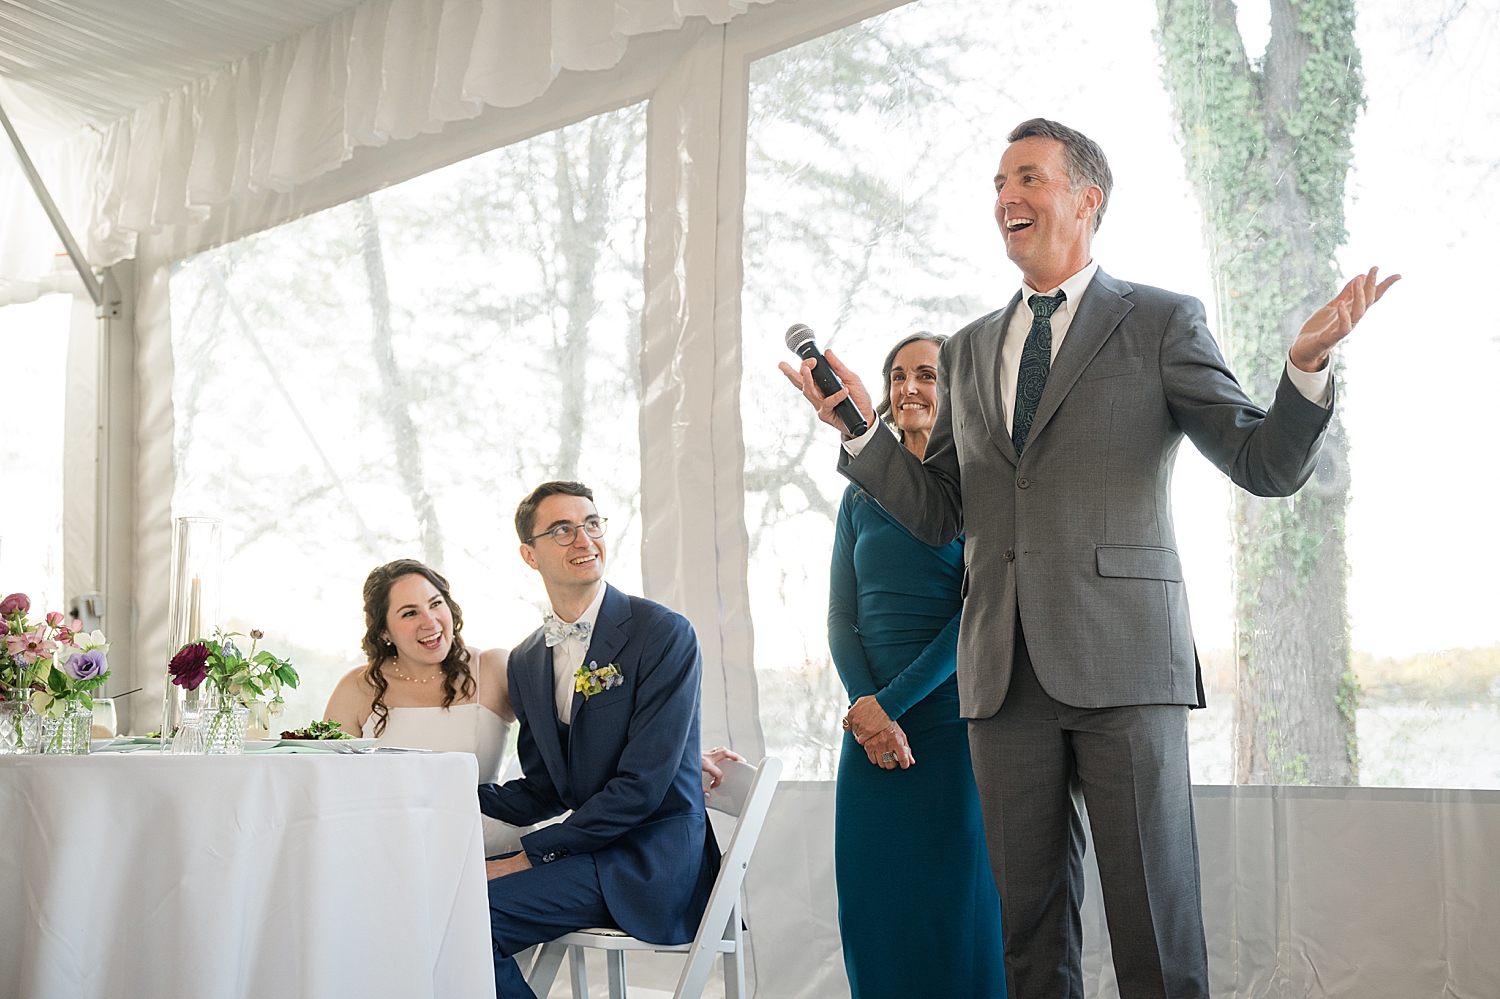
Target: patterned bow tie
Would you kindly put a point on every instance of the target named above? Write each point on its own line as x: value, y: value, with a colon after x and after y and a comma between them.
x: 559, y: 631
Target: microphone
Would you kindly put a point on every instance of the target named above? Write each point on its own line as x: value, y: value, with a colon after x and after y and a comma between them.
x: 800, y: 339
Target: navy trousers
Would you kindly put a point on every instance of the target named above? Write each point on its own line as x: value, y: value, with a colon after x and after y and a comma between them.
x: 537, y: 905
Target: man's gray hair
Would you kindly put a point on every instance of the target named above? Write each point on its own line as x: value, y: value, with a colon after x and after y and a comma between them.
x: 1085, y: 160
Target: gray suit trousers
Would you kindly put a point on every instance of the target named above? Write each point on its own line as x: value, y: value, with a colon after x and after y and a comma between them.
x: 1032, y: 760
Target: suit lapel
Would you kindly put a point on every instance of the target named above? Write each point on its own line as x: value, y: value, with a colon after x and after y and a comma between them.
x: 986, y: 344
x: 1102, y: 309
x: 608, y: 639
x: 532, y: 670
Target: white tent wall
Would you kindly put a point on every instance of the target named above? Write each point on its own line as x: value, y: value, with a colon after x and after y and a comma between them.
x: 269, y: 122
x: 1307, y: 891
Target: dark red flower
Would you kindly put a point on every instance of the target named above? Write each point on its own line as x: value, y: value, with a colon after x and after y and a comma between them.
x: 189, y: 666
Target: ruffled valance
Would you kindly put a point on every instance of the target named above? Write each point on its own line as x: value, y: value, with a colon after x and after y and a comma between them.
x: 381, y: 71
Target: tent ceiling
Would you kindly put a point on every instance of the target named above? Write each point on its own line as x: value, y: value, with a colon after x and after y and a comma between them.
x: 73, y: 63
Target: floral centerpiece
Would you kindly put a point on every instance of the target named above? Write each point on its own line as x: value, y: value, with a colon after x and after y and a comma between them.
x: 50, y: 666
x: 235, y: 679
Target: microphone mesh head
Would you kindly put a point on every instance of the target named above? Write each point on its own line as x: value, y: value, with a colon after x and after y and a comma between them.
x: 797, y: 335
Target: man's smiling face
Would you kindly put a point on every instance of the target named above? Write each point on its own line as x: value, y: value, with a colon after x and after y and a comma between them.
x: 1044, y: 222
x: 566, y: 566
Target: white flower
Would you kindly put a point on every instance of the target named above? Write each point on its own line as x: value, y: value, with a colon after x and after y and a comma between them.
x: 93, y: 640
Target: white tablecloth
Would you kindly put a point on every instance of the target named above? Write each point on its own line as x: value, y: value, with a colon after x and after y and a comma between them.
x: 266, y: 877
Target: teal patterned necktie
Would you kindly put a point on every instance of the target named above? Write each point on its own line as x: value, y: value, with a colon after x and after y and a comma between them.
x: 1036, y: 361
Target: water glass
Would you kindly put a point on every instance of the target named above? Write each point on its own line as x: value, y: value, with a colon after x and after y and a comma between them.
x: 105, y: 724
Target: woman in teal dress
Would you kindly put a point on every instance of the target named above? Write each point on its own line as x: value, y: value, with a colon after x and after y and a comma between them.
x: 918, y: 910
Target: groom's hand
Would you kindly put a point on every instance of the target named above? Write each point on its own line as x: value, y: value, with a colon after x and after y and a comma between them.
x: 1334, y: 321
x: 802, y: 380
x: 506, y: 865
x: 711, y: 760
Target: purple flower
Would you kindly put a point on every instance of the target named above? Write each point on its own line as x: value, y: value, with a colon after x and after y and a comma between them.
x: 189, y: 666
x: 16, y: 602
x: 86, y: 665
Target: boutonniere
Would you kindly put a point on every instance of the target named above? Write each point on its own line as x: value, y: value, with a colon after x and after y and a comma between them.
x: 594, y: 679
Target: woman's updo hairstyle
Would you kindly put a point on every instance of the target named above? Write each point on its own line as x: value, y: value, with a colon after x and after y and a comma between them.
x: 457, y: 680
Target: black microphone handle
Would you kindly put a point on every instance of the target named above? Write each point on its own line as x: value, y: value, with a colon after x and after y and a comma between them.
x: 853, y: 421
x: 828, y: 383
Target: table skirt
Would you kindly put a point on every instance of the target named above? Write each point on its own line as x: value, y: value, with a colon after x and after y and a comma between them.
x: 128, y: 875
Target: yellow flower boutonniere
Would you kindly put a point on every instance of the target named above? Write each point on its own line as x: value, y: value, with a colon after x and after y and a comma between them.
x: 592, y: 679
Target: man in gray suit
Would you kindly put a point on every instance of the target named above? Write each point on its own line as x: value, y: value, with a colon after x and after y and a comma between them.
x: 1059, y: 419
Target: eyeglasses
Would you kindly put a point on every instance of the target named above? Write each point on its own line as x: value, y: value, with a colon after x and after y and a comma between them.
x: 565, y: 534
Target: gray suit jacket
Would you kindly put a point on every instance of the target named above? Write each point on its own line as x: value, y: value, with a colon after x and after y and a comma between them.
x: 1077, y: 534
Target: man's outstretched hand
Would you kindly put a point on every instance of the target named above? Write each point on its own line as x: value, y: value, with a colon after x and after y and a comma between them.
x: 1334, y: 321
x: 802, y: 380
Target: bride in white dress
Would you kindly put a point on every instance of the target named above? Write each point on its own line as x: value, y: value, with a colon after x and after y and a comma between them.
x: 421, y: 687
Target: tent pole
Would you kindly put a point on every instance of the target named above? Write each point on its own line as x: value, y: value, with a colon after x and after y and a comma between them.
x: 50, y: 207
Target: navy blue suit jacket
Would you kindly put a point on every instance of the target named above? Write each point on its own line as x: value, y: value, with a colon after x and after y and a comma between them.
x: 630, y: 772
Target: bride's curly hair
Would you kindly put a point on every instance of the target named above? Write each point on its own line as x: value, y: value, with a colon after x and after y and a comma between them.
x: 457, y: 680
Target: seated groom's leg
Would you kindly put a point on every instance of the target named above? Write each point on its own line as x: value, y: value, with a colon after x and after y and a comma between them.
x: 537, y: 905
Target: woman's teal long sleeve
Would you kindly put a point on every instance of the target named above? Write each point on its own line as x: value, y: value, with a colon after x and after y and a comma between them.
x: 843, y: 615
x: 892, y: 626
x: 937, y: 663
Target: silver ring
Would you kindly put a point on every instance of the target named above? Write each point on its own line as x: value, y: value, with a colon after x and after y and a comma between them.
x: 888, y: 757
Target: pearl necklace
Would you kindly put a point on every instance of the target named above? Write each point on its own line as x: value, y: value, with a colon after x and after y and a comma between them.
x: 412, y: 679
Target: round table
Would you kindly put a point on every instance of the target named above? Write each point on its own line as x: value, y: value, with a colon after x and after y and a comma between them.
x: 140, y: 874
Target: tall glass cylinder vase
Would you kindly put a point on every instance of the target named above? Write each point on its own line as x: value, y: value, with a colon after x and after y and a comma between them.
x: 196, y: 583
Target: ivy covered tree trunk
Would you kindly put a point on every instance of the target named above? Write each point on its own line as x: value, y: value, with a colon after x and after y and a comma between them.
x: 1267, y: 145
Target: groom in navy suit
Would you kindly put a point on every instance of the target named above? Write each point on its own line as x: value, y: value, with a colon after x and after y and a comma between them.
x: 606, y: 693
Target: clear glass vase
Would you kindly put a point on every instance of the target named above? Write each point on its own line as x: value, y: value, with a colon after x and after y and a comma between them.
x: 21, y: 727
x: 70, y: 734
x: 187, y: 738
x: 224, y: 721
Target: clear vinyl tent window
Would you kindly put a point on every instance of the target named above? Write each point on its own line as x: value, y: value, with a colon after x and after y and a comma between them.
x: 868, y: 214
x: 389, y: 377
x: 34, y: 344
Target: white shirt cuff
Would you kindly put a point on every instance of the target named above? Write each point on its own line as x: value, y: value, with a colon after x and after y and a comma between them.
x: 855, y: 446
x: 1315, y: 386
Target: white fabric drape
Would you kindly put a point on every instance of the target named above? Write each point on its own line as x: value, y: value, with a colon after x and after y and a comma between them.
x: 277, y: 118
x: 227, y: 876
x: 1307, y: 891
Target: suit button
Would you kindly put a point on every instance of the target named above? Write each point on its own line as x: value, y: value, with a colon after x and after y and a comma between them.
x: 1010, y: 554
x: 1023, y: 483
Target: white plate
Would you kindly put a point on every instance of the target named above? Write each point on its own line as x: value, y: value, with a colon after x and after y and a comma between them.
x: 336, y: 744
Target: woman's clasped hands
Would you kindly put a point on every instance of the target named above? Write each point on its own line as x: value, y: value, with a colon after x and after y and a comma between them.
x: 883, y: 741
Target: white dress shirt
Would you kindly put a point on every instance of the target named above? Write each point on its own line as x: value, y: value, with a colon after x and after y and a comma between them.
x: 568, y: 655
x: 1314, y: 385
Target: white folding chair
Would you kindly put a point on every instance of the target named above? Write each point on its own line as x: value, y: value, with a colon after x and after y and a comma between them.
x: 745, y: 793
